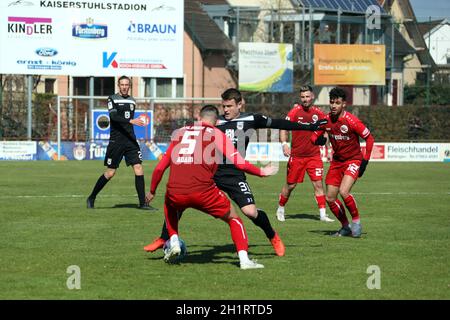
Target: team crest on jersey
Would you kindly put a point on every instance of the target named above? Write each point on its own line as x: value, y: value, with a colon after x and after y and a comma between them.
x: 315, y: 117
x: 110, y: 105
x: 240, y: 125
x: 344, y: 128
x: 132, y: 107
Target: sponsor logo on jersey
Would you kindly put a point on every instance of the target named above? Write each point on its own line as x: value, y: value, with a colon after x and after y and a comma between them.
x: 340, y: 137
x: 344, y: 128
x: 89, y: 30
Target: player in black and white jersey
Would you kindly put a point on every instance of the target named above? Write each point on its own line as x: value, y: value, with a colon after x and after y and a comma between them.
x: 122, y: 142
x: 239, y: 127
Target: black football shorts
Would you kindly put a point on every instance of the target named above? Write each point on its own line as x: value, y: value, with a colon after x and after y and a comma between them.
x: 117, y: 150
x: 237, y: 189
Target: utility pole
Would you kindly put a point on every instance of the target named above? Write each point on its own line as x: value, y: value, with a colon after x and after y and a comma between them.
x: 429, y: 64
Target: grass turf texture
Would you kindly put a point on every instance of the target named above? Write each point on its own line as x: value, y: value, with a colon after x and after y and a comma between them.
x: 45, y: 228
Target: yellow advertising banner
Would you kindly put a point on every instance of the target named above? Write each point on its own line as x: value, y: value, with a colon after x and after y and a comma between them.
x: 349, y: 64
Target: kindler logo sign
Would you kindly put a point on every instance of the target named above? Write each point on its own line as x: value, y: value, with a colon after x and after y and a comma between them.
x: 29, y: 26
x: 89, y: 30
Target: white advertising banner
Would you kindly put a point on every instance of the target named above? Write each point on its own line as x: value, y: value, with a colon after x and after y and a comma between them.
x: 17, y: 150
x: 411, y: 152
x: 92, y: 38
x: 387, y: 152
x: 266, y: 67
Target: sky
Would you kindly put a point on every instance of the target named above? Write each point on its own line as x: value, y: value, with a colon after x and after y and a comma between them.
x: 437, y: 9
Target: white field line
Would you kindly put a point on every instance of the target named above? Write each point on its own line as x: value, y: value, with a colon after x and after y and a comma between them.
x: 256, y: 194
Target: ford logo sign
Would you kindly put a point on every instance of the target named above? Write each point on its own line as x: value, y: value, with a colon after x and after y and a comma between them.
x: 46, y: 52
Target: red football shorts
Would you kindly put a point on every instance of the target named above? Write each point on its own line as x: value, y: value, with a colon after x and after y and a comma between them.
x: 212, y: 201
x: 297, y: 167
x: 338, y: 170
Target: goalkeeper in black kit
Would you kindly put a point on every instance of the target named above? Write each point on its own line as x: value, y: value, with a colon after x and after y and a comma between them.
x: 122, y: 143
x: 239, y: 127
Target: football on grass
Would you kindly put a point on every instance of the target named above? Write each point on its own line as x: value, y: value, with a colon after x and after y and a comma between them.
x: 183, y: 253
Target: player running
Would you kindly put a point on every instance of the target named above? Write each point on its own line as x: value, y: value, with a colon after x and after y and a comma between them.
x: 193, y: 160
x: 304, y: 156
x: 239, y: 127
x: 344, y: 130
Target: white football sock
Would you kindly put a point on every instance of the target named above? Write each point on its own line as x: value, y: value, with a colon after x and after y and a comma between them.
x: 323, y: 212
x: 243, y: 256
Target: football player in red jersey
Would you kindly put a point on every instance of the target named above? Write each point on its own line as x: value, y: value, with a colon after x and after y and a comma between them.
x: 304, y: 155
x: 344, y: 130
x: 193, y: 157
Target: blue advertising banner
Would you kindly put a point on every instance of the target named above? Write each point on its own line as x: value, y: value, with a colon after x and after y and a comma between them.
x: 100, y: 124
x: 94, y: 150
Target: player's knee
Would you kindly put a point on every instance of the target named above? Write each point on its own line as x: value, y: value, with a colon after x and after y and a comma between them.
x: 330, y: 199
x: 250, y: 212
x: 291, y: 187
x: 344, y: 193
x: 138, y: 170
x: 109, y: 173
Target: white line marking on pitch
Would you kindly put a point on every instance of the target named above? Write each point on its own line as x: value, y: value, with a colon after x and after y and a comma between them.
x: 133, y: 195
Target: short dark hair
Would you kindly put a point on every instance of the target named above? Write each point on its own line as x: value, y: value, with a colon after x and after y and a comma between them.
x: 306, y: 88
x: 209, y: 110
x: 122, y: 78
x: 231, y: 94
x: 337, y: 92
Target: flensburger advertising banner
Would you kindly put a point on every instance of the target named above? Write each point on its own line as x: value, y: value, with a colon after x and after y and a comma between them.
x: 266, y: 67
x: 92, y: 38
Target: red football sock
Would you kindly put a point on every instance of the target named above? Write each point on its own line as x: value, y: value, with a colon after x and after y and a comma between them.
x: 350, y: 203
x: 282, y: 200
x: 321, y: 201
x: 339, y: 211
x: 238, y: 234
x: 171, y: 217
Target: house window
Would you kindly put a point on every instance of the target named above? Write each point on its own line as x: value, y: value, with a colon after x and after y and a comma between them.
x: 50, y: 85
x: 103, y: 86
x: 164, y: 87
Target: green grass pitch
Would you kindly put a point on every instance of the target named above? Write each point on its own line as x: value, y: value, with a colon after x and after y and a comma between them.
x: 45, y: 228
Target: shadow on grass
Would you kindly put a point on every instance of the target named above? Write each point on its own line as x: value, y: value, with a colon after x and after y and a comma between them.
x: 332, y: 233
x: 324, y: 232
x: 223, y: 254
x: 127, y: 206
x: 302, y: 216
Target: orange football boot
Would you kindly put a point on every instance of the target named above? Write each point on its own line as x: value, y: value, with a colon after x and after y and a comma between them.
x: 155, y: 245
x: 278, y: 245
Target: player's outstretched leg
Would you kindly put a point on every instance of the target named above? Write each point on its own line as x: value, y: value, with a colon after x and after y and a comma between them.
x: 282, y: 200
x: 321, y: 202
x: 174, y: 250
x: 240, y: 239
x: 139, y: 183
x: 338, y: 210
x: 159, y: 242
x: 350, y: 203
x: 263, y: 222
x: 99, y: 185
